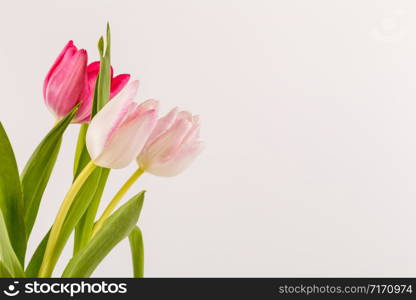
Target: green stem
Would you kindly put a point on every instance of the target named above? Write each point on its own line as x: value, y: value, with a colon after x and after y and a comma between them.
x: 49, y: 261
x: 116, y: 199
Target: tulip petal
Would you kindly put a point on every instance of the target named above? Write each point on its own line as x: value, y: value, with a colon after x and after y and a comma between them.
x: 135, y: 109
x: 166, y: 144
x: 94, y: 67
x: 84, y: 112
x: 127, y: 141
x: 178, y: 163
x: 192, y: 135
x: 64, y: 85
x: 58, y: 60
x: 118, y: 83
x: 163, y: 124
x: 105, y: 123
x: 185, y: 115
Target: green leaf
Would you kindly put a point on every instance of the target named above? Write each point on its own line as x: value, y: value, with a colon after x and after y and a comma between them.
x: 38, y: 170
x: 78, y: 208
x: 81, y: 154
x: 101, y: 97
x: 108, y: 35
x: 137, y: 252
x: 101, y: 46
x: 4, y: 273
x: 32, y: 269
x: 81, y: 159
x: 11, y: 197
x: 10, y: 262
x: 115, y: 228
x: 104, y: 80
x: 84, y: 227
x: 102, y: 90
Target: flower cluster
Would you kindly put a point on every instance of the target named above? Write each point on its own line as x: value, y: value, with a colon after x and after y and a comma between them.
x: 123, y: 129
x: 115, y: 130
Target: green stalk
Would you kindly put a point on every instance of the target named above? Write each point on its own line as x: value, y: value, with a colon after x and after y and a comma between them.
x: 49, y: 260
x: 116, y: 199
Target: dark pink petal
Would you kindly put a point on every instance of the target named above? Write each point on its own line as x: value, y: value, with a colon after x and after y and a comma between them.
x: 117, y: 84
x: 66, y: 84
x: 84, y: 112
x: 58, y: 60
x: 93, y: 67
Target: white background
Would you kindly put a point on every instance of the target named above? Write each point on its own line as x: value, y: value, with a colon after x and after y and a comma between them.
x: 309, y: 116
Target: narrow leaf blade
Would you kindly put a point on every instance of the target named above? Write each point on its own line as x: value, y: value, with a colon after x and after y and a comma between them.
x: 32, y: 269
x: 4, y: 273
x: 104, y: 78
x: 115, y: 228
x: 101, y: 97
x: 137, y: 252
x: 11, y: 197
x: 38, y: 170
x: 78, y: 208
x: 8, y: 257
x: 81, y: 154
x: 84, y: 227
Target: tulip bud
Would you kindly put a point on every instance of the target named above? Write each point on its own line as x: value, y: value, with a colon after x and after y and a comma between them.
x: 116, y: 84
x: 64, y: 83
x: 173, y: 144
x: 119, y: 131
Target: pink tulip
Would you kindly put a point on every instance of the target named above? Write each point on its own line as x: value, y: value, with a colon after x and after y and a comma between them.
x: 117, y: 83
x: 64, y: 83
x: 70, y: 81
x: 119, y: 131
x: 173, y: 144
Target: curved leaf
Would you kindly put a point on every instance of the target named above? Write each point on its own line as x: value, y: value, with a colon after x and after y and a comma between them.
x: 32, y: 269
x: 78, y: 208
x: 102, y: 91
x: 85, y: 225
x: 137, y: 252
x: 10, y: 262
x: 81, y: 154
x: 11, y: 197
x: 38, y: 169
x: 101, y: 97
x: 4, y: 273
x: 115, y: 228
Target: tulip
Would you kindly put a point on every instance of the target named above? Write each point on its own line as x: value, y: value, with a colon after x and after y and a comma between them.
x: 65, y: 81
x: 117, y: 83
x: 70, y: 81
x: 171, y: 147
x: 119, y: 131
x: 173, y: 144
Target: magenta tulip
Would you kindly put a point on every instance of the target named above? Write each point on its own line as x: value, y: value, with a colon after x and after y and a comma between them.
x: 70, y: 81
x: 64, y: 84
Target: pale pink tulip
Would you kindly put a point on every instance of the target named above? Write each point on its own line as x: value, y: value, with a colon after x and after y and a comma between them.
x: 65, y: 81
x: 119, y: 131
x: 173, y: 144
x: 117, y: 83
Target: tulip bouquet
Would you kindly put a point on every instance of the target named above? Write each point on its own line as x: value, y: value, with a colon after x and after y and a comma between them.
x: 114, y: 131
